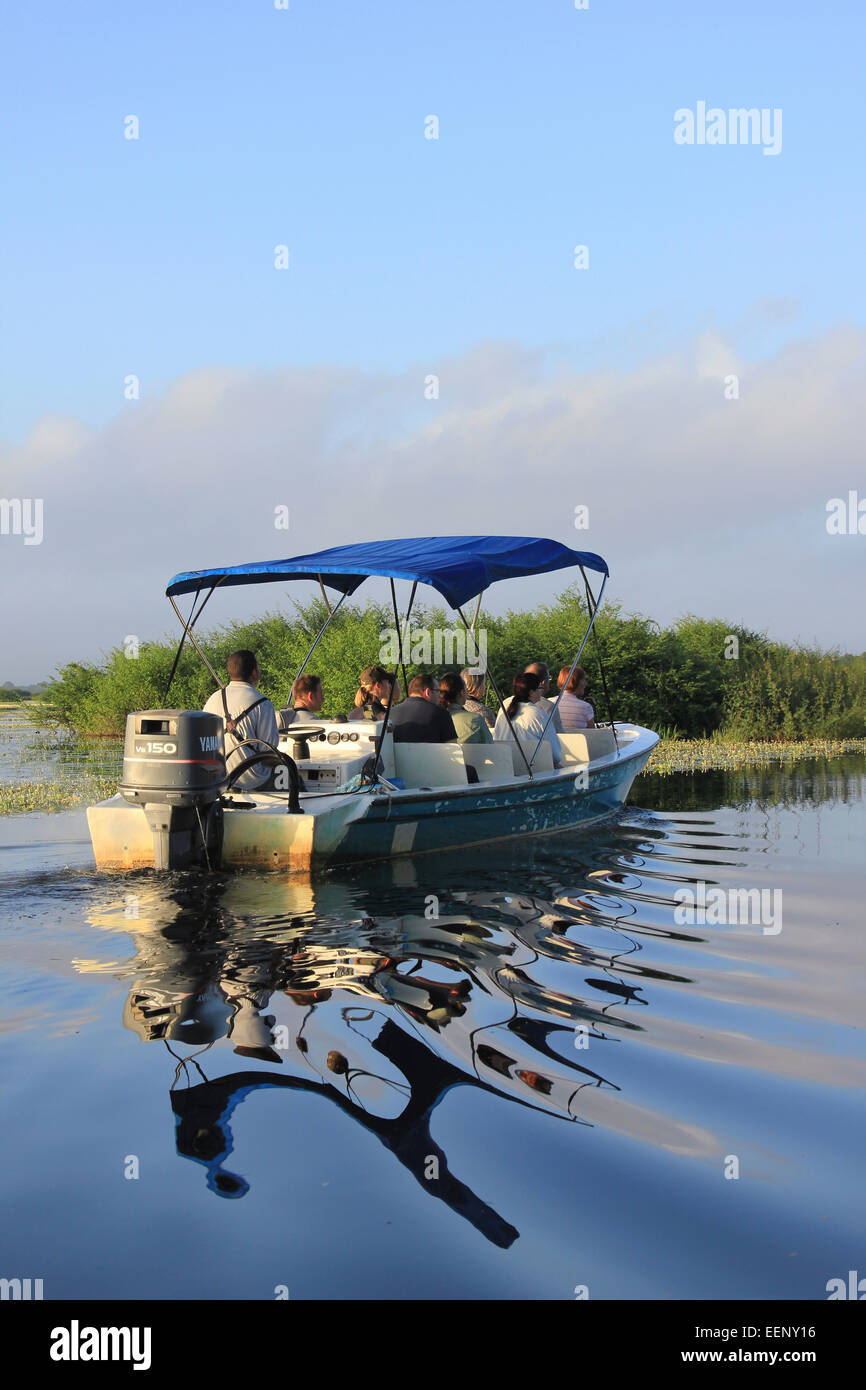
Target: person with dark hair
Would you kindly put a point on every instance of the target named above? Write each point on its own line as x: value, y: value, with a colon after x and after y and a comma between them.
x: 307, y: 700
x: 374, y: 687
x: 420, y: 718
x: 576, y: 712
x: 470, y: 727
x: 474, y: 682
x: 545, y: 705
x: 527, y: 719
x: 246, y: 715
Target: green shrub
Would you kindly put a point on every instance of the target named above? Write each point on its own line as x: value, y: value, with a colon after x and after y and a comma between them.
x: 676, y: 678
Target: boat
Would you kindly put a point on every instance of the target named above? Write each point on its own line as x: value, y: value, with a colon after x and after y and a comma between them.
x: 349, y: 793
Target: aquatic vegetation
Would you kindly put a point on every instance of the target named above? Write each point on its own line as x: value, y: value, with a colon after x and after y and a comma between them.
x: 711, y: 754
x: 16, y: 798
x: 50, y: 769
x: 53, y: 769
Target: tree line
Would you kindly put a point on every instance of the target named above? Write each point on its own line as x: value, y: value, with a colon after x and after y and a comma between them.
x: 696, y: 678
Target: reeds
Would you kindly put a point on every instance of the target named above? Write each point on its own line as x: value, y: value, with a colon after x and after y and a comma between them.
x: 709, y: 754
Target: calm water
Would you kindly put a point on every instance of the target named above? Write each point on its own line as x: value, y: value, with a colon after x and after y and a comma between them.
x: 35, y: 754
x: 330, y: 1088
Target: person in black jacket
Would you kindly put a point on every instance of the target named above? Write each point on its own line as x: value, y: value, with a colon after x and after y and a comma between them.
x: 420, y: 718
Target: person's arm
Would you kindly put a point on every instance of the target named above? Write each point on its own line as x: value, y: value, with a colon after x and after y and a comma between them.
x: 480, y: 731
x: 266, y: 724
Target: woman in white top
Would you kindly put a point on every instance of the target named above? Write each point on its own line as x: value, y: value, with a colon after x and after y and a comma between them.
x: 527, y: 720
x: 575, y: 712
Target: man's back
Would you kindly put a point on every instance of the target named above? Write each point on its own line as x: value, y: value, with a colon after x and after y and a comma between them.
x: 260, y: 722
x: 417, y: 720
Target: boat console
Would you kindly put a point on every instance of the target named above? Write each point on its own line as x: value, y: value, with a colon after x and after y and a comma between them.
x: 329, y: 753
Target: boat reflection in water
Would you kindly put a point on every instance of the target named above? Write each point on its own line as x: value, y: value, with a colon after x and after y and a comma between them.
x: 381, y: 1015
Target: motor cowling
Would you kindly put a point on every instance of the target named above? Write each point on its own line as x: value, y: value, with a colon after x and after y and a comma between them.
x: 173, y: 756
x: 174, y: 768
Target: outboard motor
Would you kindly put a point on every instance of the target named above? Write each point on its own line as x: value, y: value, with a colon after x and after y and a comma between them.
x: 174, y: 768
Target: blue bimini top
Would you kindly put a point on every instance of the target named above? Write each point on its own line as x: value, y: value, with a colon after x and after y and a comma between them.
x: 459, y: 567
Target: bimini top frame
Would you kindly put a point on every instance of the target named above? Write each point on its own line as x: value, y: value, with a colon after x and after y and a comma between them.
x: 458, y: 567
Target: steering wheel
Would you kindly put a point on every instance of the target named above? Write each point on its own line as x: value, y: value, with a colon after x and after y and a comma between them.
x: 300, y: 734
x: 272, y: 757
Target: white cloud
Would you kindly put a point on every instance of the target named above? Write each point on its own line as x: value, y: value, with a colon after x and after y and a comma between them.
x: 698, y: 502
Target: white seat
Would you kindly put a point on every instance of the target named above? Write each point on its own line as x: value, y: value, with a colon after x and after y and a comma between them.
x: 492, y: 761
x: 587, y: 744
x: 430, y: 764
x: 543, y: 758
x: 387, y: 754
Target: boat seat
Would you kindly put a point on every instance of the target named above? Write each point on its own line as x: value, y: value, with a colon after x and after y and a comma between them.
x: 543, y: 758
x: 492, y: 761
x: 430, y: 764
x: 587, y: 744
x: 387, y: 754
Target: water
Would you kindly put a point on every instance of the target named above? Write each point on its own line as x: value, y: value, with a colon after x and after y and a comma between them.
x: 47, y: 754
x: 325, y: 1089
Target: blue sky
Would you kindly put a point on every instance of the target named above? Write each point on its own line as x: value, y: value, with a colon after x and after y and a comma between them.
x: 305, y: 127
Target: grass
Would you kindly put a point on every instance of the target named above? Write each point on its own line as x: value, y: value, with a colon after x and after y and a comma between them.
x: 16, y: 798
x: 47, y: 769
x: 75, y: 772
x: 708, y: 754
x: 672, y: 755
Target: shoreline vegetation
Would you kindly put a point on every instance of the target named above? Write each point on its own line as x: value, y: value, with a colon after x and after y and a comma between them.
x: 85, y: 788
x: 721, y: 696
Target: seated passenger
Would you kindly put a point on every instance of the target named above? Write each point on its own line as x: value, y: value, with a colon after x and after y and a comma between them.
x: 474, y: 683
x: 576, y: 712
x: 526, y: 718
x: 307, y: 699
x: 420, y: 718
x: 246, y: 715
x: 371, y: 700
x: 538, y: 668
x: 470, y: 727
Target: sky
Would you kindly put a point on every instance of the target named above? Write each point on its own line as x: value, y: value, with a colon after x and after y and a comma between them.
x: 435, y: 357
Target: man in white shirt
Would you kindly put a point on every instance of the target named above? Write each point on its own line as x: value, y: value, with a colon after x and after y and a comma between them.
x: 307, y: 699
x: 251, y: 715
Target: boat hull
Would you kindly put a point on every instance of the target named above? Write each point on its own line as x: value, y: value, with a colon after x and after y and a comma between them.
x: 430, y: 822
x: 356, y: 828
